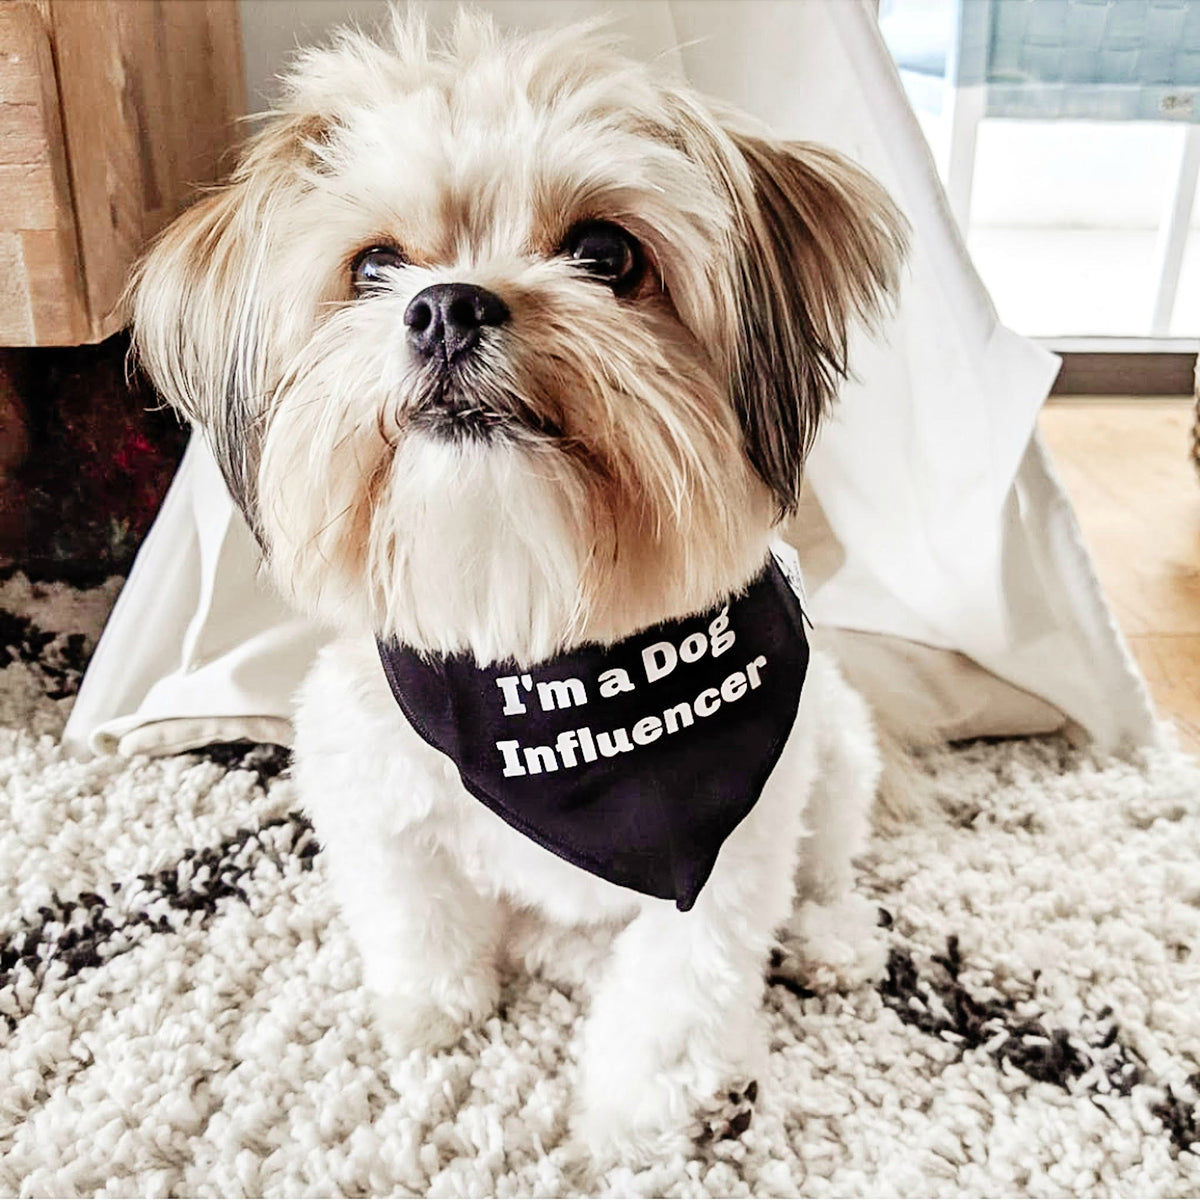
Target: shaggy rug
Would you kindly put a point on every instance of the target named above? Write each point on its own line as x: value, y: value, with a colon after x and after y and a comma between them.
x: 180, y: 1009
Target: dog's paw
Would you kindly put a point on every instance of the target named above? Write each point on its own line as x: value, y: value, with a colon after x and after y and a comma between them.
x: 406, y: 1025
x: 713, y: 1128
x: 605, y: 1144
x: 408, y: 1022
x: 833, y: 947
x: 674, y: 1112
x: 720, y: 1125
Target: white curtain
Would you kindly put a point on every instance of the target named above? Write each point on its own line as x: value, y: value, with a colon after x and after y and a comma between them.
x: 949, y: 557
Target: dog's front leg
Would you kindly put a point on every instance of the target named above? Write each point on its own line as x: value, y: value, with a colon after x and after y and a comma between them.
x: 833, y: 939
x: 427, y: 939
x: 675, y: 1039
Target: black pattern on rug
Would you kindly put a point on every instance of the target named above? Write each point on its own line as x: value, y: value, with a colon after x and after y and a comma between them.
x: 58, y: 659
x: 90, y: 929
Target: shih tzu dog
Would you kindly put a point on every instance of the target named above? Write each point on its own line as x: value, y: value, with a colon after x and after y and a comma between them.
x: 511, y: 350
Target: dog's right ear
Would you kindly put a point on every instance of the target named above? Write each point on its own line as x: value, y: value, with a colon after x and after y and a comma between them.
x: 194, y: 328
x: 196, y: 301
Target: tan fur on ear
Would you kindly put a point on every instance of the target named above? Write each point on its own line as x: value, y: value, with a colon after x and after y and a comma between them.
x: 197, y: 303
x: 823, y: 248
x: 193, y: 329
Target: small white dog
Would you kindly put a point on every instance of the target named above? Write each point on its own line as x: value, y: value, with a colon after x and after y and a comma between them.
x: 511, y: 350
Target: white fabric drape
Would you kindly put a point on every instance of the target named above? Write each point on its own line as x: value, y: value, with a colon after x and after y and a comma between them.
x: 953, y: 531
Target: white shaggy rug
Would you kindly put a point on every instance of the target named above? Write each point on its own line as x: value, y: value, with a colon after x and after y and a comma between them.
x: 180, y: 1010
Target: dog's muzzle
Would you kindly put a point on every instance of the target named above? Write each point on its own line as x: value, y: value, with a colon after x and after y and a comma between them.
x: 446, y: 324
x: 445, y: 320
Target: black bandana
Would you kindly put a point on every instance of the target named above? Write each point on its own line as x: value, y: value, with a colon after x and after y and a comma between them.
x: 634, y: 761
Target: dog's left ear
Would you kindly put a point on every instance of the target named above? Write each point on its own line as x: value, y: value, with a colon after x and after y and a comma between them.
x: 823, y: 244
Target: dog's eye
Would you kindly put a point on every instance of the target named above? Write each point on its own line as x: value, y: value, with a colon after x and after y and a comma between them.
x: 369, y: 265
x: 607, y: 252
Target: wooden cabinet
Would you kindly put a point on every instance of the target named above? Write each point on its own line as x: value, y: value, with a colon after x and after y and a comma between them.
x: 111, y: 113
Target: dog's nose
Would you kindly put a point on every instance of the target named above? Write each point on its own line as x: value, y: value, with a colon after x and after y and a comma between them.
x: 444, y: 320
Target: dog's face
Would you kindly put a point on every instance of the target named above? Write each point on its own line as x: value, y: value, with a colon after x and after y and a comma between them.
x: 507, y: 344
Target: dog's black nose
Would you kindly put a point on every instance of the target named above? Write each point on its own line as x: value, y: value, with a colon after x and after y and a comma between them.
x: 444, y: 320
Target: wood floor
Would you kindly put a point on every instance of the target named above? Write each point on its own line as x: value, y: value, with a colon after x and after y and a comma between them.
x: 1127, y: 468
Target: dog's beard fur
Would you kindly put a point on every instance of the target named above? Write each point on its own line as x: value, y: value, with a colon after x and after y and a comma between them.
x: 601, y: 461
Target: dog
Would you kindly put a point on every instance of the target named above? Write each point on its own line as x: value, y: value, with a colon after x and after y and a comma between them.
x: 511, y: 350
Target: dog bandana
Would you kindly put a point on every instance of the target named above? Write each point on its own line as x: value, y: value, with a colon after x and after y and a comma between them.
x: 633, y: 761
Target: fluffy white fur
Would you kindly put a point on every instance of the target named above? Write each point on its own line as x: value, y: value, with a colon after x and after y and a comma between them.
x: 639, y: 445
x: 441, y: 895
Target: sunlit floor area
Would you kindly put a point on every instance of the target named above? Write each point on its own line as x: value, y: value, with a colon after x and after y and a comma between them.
x: 1126, y: 465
